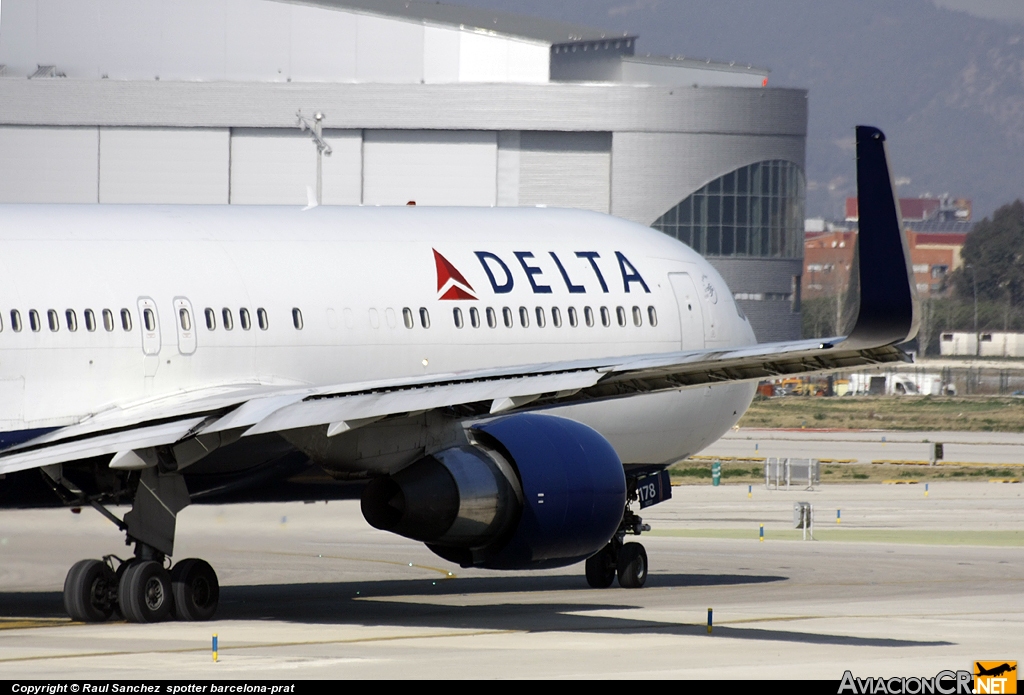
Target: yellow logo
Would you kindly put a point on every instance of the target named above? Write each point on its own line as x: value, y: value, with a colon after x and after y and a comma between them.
x: 995, y: 677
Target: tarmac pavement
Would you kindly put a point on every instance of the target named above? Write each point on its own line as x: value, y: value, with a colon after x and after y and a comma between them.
x: 311, y: 591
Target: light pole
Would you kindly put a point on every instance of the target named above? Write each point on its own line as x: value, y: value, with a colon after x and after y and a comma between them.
x: 322, y: 148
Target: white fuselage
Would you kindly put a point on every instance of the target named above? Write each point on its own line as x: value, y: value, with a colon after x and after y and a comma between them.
x: 353, y: 279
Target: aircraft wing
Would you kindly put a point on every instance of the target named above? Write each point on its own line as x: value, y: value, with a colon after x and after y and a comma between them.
x: 194, y: 421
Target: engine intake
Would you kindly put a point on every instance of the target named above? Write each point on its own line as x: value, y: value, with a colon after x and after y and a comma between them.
x: 532, y: 491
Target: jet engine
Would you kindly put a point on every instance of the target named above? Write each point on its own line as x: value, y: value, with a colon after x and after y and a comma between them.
x: 528, y: 492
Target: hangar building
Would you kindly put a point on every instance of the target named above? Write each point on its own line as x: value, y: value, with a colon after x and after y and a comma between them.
x: 103, y: 101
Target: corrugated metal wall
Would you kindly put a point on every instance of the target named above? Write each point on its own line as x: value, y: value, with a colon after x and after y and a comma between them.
x: 238, y: 40
x: 570, y: 170
x: 48, y: 165
x: 343, y: 170
x: 271, y: 166
x: 430, y: 167
x: 163, y: 165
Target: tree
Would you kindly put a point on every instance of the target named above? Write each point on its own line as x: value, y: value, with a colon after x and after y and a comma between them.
x: 995, y: 251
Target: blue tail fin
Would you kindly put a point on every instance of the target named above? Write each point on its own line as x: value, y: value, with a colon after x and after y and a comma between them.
x: 888, y: 301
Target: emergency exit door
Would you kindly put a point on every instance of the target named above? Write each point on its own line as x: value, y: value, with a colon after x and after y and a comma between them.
x: 184, y: 321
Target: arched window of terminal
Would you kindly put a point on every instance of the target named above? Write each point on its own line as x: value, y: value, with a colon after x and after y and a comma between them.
x: 756, y: 210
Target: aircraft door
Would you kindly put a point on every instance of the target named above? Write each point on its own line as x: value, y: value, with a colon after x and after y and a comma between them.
x: 184, y: 320
x: 691, y: 314
x: 149, y: 324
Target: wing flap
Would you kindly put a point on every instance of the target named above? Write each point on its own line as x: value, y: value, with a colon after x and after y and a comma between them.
x: 110, y: 443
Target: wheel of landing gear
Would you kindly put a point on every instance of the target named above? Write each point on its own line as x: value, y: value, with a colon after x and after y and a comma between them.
x: 632, y: 566
x: 144, y: 593
x: 601, y: 568
x: 90, y: 590
x: 195, y: 588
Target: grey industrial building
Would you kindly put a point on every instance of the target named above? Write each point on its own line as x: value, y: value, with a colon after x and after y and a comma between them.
x: 103, y: 101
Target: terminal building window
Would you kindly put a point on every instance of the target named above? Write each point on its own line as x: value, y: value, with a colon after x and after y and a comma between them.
x: 756, y: 210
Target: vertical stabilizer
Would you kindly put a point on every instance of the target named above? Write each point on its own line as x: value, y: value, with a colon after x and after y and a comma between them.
x: 888, y: 311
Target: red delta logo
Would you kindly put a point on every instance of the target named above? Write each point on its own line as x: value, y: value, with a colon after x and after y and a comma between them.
x: 450, y: 282
x: 586, y: 267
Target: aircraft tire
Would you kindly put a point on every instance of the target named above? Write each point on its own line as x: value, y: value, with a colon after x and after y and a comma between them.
x: 144, y: 592
x: 196, y: 590
x: 601, y: 568
x: 89, y: 591
x: 632, y: 566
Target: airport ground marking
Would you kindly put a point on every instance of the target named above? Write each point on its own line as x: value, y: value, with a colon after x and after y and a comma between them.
x: 996, y: 538
x: 20, y: 623
x: 262, y: 645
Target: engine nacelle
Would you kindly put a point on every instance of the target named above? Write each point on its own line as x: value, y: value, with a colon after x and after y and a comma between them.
x: 531, y: 491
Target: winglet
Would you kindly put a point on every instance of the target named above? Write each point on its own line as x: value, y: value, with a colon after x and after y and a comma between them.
x: 888, y: 300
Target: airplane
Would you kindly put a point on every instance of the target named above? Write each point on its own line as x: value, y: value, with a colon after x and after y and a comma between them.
x: 995, y: 671
x: 504, y: 385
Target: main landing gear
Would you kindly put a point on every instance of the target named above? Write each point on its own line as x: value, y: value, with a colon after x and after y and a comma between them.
x: 628, y: 561
x: 141, y: 591
x: 144, y: 588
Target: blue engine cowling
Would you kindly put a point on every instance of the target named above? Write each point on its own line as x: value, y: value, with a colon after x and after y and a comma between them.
x: 531, y: 492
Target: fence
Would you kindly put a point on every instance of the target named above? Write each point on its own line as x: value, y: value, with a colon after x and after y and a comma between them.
x: 789, y: 471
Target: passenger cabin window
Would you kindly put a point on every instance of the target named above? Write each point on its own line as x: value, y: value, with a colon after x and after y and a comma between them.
x: 556, y: 317
x: 620, y: 314
x: 524, y: 317
x: 108, y: 320
x: 573, y: 319
x: 72, y: 319
x: 297, y: 318
x: 457, y: 315
x: 606, y: 317
x: 126, y: 319
x: 541, y: 321
x: 407, y: 318
x: 492, y: 318
x: 474, y: 317
x: 262, y: 320
x: 588, y: 316
x: 638, y: 316
x: 229, y: 319
x: 90, y: 320
x: 211, y: 319
x: 243, y: 319
x: 652, y: 316
x: 16, y: 320
x: 506, y: 315
x: 149, y: 320
x: 53, y: 320
x: 424, y: 317
x: 33, y: 321
x: 184, y: 320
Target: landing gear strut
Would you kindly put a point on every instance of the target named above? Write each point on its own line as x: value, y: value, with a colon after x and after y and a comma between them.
x: 142, y: 588
x: 628, y: 561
